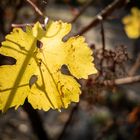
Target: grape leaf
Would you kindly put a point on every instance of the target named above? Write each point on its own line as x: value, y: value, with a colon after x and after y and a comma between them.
x: 132, y: 23
x: 37, y: 74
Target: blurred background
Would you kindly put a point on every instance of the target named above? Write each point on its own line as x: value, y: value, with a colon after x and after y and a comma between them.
x: 103, y: 113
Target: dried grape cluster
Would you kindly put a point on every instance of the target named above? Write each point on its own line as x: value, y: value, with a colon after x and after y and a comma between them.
x: 111, y: 63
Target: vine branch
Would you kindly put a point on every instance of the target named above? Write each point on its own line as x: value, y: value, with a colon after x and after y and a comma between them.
x: 36, y: 122
x: 122, y: 81
x: 104, y: 14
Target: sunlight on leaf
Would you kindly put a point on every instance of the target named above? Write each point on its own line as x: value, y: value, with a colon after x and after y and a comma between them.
x: 37, y: 76
x: 132, y: 23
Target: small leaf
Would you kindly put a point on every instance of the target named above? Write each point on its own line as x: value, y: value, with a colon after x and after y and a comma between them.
x: 37, y: 75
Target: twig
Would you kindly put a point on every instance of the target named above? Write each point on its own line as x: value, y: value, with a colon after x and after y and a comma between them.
x: 102, y: 35
x: 24, y: 25
x: 74, y: 109
x: 36, y: 8
x: 135, y: 67
x: 122, y: 81
x: 82, y: 11
x: 103, y: 46
x: 103, y: 42
x: 21, y: 25
x: 104, y: 14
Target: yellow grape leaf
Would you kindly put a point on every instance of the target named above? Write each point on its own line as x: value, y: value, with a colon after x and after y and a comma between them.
x: 38, y: 74
x: 132, y: 23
